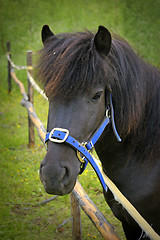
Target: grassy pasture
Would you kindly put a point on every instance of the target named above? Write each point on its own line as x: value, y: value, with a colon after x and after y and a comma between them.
x: 20, y: 22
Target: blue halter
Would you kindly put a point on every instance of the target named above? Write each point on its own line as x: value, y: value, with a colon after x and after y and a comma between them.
x: 60, y: 135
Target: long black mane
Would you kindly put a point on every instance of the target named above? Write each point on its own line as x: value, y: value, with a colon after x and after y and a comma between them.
x: 69, y: 64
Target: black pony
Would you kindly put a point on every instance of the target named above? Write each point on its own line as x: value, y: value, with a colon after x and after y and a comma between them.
x: 79, y: 71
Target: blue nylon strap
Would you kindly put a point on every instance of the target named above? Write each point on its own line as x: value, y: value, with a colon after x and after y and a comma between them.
x: 47, y: 137
x: 90, y: 144
x: 57, y: 134
x: 112, y: 120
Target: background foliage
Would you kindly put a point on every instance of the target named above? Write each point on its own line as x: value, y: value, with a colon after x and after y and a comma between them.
x: 21, y: 22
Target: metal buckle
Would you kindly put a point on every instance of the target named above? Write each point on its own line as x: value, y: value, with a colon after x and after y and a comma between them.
x: 81, y: 159
x: 108, y: 112
x: 58, y: 140
x: 80, y: 155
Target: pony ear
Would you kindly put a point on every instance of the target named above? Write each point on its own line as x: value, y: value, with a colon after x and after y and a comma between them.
x: 102, y: 40
x: 46, y: 33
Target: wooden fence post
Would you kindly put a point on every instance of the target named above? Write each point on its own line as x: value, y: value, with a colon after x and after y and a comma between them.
x: 30, y: 98
x: 9, y: 68
x: 76, y: 218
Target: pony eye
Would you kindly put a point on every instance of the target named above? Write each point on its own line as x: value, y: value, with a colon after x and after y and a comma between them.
x: 97, y: 96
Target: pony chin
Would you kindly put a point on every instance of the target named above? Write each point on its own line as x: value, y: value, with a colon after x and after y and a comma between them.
x: 54, y: 188
x: 58, y: 180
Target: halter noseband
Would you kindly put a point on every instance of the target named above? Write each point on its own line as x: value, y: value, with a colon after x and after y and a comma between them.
x: 60, y: 135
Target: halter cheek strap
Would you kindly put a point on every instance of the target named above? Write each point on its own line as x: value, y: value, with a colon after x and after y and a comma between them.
x: 60, y: 135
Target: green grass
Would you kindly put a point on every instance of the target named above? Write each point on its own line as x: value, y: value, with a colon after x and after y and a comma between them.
x: 20, y: 23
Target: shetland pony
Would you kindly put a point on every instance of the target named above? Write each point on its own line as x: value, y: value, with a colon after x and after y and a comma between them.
x: 79, y: 71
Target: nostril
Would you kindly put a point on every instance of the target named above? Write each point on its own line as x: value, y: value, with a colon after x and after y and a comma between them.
x: 43, y: 163
x: 41, y: 168
x: 67, y: 173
